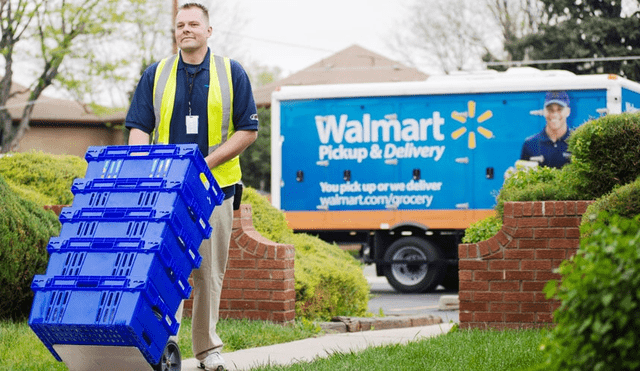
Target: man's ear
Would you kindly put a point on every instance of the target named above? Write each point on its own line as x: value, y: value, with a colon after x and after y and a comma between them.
x: 567, y: 111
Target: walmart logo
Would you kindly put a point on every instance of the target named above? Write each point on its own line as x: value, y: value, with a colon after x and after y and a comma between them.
x: 463, y: 117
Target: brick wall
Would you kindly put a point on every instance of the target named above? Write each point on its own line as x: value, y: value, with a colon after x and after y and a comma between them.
x: 501, y: 279
x: 259, y: 283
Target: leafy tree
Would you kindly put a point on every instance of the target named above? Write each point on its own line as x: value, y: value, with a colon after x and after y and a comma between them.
x: 586, y: 29
x: 94, y: 50
x: 56, y: 27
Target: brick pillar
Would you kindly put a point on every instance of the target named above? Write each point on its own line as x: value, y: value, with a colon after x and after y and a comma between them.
x: 501, y: 279
x: 259, y: 283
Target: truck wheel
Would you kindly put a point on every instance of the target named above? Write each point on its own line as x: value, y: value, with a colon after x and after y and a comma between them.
x: 413, y: 278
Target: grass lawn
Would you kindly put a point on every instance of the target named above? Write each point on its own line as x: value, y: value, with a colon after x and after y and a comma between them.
x: 20, y: 349
x: 458, y: 350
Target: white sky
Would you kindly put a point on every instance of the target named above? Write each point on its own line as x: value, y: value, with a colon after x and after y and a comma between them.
x: 294, y: 34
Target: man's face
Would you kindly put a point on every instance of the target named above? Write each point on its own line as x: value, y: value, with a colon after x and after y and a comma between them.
x: 556, y: 116
x: 192, y: 29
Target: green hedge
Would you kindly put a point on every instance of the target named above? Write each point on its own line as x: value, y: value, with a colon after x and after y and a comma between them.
x: 606, y: 153
x: 329, y: 282
x: 623, y: 201
x: 598, y: 322
x: 269, y: 221
x: 25, y: 229
x: 45, y: 179
x: 539, y: 184
x: 482, y: 229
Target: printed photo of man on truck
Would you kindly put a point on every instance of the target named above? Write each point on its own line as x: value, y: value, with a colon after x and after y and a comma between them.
x: 549, y: 147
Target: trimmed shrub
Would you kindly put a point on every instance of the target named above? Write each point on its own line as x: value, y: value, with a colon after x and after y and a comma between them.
x: 606, y: 153
x: 482, y: 229
x: 43, y: 178
x: 329, y: 282
x: 623, y: 201
x: 539, y: 184
x: 25, y: 229
x: 269, y: 221
x: 597, y: 321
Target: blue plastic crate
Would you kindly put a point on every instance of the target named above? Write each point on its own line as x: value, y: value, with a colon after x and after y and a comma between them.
x: 170, y: 208
x: 184, y: 224
x: 180, y: 257
x: 117, y: 202
x: 148, y: 230
x: 171, y: 162
x: 141, y: 192
x: 101, y: 311
x: 172, y: 287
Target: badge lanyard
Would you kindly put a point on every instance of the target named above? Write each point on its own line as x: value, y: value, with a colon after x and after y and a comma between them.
x: 191, y: 121
x: 190, y: 84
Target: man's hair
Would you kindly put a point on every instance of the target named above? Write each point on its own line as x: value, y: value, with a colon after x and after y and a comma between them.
x: 195, y: 5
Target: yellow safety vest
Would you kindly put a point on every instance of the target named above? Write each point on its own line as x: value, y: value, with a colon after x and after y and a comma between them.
x: 219, y: 110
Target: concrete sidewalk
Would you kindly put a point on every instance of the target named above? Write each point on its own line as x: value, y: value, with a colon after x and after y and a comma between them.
x: 322, y: 346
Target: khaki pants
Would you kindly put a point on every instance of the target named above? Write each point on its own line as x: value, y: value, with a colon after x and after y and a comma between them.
x: 207, y: 282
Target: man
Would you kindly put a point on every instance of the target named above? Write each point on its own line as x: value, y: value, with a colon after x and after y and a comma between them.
x: 196, y: 97
x: 549, y: 147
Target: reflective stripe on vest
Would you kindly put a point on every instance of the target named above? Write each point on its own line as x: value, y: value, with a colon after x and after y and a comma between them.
x: 219, y: 110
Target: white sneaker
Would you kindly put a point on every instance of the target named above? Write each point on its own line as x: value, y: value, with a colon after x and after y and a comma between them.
x: 213, y: 362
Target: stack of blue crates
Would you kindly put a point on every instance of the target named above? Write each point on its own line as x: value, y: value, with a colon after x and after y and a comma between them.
x: 119, y: 269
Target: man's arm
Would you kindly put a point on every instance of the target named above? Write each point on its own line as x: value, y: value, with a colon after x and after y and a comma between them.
x: 234, y: 146
x: 137, y: 137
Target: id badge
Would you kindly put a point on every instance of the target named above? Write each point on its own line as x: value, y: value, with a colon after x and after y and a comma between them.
x: 192, y: 124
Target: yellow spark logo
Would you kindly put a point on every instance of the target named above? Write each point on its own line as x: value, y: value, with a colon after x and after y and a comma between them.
x: 462, y: 118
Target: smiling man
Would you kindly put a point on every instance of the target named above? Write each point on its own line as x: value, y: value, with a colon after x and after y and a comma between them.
x: 549, y: 147
x: 198, y: 97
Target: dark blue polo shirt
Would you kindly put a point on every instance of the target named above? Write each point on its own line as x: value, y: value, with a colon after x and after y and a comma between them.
x: 141, y: 114
x: 555, y: 153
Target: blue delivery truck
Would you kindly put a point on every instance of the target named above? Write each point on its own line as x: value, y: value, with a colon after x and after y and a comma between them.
x: 403, y: 168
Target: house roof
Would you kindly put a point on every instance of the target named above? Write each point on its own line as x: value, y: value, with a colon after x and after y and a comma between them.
x: 55, y: 110
x: 354, y: 64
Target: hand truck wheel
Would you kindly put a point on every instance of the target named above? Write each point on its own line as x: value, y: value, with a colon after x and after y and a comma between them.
x: 170, y: 359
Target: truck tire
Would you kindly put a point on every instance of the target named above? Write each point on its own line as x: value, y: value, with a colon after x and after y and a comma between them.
x: 413, y: 278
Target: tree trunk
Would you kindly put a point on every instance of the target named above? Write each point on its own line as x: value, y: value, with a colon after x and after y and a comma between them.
x: 15, y: 134
x: 5, y: 91
x: 22, y: 127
